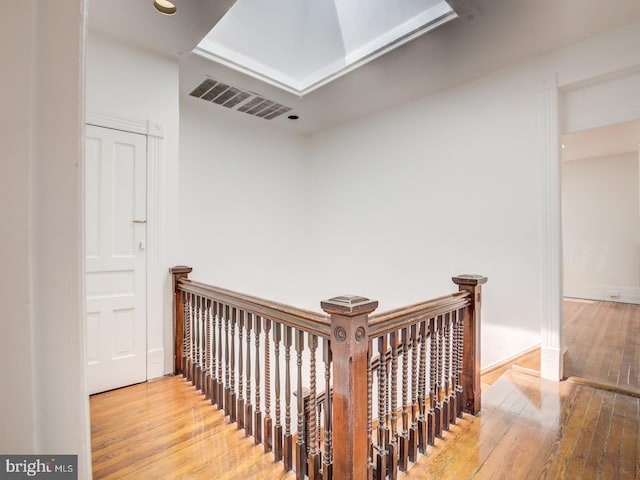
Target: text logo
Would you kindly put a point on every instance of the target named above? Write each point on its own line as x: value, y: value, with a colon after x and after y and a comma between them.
x: 58, y: 467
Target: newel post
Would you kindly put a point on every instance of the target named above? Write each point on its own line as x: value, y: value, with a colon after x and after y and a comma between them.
x: 349, y: 349
x: 178, y: 317
x: 471, y: 331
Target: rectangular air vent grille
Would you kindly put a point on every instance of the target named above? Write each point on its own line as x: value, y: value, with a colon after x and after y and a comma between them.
x: 237, y: 99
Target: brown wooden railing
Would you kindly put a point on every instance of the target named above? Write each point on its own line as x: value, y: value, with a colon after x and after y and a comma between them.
x: 389, y: 384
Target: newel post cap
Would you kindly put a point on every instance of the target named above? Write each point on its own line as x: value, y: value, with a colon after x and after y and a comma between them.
x: 469, y: 279
x: 349, y: 305
x: 178, y: 269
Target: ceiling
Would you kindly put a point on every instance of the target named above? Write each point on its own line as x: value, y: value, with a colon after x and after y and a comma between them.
x: 488, y: 35
x: 300, y: 45
x: 602, y: 142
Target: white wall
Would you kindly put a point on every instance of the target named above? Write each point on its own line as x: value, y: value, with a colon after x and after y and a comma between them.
x: 389, y: 207
x: 456, y: 182
x: 129, y: 82
x: 400, y: 201
x: 45, y: 408
x: 243, y: 204
x: 601, y: 228
x: 412, y: 196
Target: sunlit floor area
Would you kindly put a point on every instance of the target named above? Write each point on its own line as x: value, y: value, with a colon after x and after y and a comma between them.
x: 534, y: 429
x: 166, y: 430
x: 528, y: 428
x: 603, y: 342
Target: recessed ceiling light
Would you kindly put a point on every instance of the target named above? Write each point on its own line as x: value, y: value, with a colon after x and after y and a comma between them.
x: 563, y: 146
x: 165, y: 7
x: 293, y: 117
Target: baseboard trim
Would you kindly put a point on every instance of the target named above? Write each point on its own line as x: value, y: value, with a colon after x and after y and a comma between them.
x: 509, y: 360
x: 551, y: 363
x: 155, y: 363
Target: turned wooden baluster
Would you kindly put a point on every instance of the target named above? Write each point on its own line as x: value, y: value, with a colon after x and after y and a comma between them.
x: 313, y: 459
x: 196, y: 342
x: 213, y: 381
x: 392, y: 462
x: 190, y: 339
x: 220, y: 392
x: 424, y: 418
x: 455, y: 367
x: 186, y: 345
x: 201, y: 344
x: 248, y: 410
x: 202, y: 340
x: 240, y: 407
x: 277, y: 430
x: 301, y: 451
x: 268, y: 422
x: 439, y: 414
x: 460, y: 352
x: 214, y: 354
x: 207, y: 359
x: 471, y: 353
x: 403, y: 438
x: 383, y: 427
x: 227, y: 366
x: 433, y: 368
x: 446, y: 390
x: 327, y: 465
x: 287, y: 447
x: 233, y: 413
x: 413, y: 432
x: 257, y: 421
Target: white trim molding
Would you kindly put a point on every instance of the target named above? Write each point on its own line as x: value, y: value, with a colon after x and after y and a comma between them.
x: 552, y: 331
x: 154, y: 132
x: 155, y: 363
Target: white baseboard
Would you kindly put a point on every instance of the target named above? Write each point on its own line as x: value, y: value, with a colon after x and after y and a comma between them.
x: 505, y: 361
x: 155, y: 363
x: 551, y: 363
x: 604, y: 293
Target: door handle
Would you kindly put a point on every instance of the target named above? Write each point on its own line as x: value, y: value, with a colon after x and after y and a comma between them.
x: 139, y: 221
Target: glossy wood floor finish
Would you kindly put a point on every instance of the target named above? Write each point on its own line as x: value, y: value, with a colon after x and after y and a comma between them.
x: 536, y: 429
x: 603, y: 340
x: 528, y: 428
x: 166, y: 430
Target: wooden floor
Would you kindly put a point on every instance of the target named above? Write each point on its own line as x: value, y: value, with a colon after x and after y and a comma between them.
x: 528, y: 428
x: 165, y: 430
x: 603, y: 341
x: 536, y: 429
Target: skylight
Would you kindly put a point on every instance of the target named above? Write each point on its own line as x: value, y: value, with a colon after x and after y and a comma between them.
x: 300, y: 45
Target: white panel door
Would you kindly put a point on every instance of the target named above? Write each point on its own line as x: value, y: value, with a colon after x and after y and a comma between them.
x: 115, y: 258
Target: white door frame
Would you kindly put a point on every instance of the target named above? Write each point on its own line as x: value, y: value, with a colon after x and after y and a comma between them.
x: 155, y: 239
x: 552, y: 86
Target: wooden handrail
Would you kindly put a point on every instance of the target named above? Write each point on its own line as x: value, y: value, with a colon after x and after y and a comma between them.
x: 386, y: 322
x: 307, y: 320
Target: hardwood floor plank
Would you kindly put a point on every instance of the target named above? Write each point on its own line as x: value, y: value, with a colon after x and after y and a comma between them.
x: 603, y: 341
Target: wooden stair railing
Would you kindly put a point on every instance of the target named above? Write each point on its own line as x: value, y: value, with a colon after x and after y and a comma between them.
x: 422, y: 361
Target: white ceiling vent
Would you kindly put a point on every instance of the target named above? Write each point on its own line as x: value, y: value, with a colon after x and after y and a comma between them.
x: 237, y: 99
